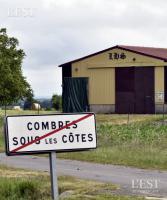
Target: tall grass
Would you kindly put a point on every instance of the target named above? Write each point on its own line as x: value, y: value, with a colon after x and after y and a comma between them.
x: 1, y: 135
x: 150, y: 133
x: 19, y: 189
x: 31, y: 185
x: 139, y: 144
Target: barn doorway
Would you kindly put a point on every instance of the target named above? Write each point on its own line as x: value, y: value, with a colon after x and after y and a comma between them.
x: 135, y: 90
x: 75, y: 95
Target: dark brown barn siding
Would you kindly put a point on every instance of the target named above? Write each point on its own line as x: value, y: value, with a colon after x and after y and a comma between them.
x: 144, y: 90
x: 135, y: 90
x: 124, y: 89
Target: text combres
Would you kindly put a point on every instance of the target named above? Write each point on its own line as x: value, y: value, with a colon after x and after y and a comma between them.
x: 50, y: 132
x: 36, y: 126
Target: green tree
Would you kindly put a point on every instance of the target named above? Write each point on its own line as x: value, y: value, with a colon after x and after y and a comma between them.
x: 13, y: 85
x: 29, y: 101
x: 57, y: 102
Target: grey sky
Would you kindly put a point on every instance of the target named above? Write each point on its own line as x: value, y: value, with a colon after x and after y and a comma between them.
x: 55, y: 31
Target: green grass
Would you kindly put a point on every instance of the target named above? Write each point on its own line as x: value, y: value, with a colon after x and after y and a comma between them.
x: 124, y: 118
x: 24, y: 112
x: 30, y: 185
x: 1, y: 135
x: 2, y: 148
x: 139, y: 144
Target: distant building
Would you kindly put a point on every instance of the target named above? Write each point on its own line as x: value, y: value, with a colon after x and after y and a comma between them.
x: 121, y: 79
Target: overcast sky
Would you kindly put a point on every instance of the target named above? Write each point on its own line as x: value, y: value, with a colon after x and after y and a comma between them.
x: 52, y: 32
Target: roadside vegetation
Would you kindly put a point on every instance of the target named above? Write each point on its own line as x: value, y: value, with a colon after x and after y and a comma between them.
x: 2, y: 142
x: 138, y: 141
x: 30, y: 185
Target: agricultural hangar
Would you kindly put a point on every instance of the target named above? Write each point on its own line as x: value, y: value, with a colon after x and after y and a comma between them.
x: 120, y: 79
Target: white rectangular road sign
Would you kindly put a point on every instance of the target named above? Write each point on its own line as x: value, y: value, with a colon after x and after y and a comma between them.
x: 46, y: 133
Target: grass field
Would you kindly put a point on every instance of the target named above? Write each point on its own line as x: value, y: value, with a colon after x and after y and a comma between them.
x: 140, y: 143
x: 30, y: 185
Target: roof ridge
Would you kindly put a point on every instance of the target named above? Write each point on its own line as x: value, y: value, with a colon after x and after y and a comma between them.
x: 142, y: 47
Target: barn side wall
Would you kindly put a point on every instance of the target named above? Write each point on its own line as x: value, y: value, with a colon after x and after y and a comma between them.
x: 159, y: 89
x: 100, y: 70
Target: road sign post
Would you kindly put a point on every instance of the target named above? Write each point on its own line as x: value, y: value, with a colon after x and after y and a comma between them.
x: 53, y: 176
x: 30, y: 134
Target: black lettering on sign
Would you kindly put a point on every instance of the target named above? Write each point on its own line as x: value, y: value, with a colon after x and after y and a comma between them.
x: 37, y: 142
x: 50, y: 141
x: 46, y: 141
x: 71, y: 137
x: 36, y: 125
x: 60, y: 124
x: 29, y: 126
x: 64, y: 138
x: 15, y: 142
x: 53, y: 125
x: 49, y: 125
x: 77, y: 136
x: 67, y: 122
x: 90, y: 137
x: 45, y: 125
x: 83, y: 137
x: 22, y: 140
x: 54, y: 140
x: 74, y: 126
x: 25, y: 140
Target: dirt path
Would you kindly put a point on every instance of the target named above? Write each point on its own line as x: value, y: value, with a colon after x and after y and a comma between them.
x: 131, y: 180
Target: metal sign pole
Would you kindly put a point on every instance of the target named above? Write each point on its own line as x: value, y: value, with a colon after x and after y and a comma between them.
x: 53, y: 176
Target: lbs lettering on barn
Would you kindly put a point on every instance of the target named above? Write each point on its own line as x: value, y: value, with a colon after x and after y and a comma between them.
x: 46, y: 133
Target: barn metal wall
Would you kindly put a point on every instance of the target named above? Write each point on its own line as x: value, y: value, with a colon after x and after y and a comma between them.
x: 159, y: 83
x: 101, y: 73
x: 102, y: 86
